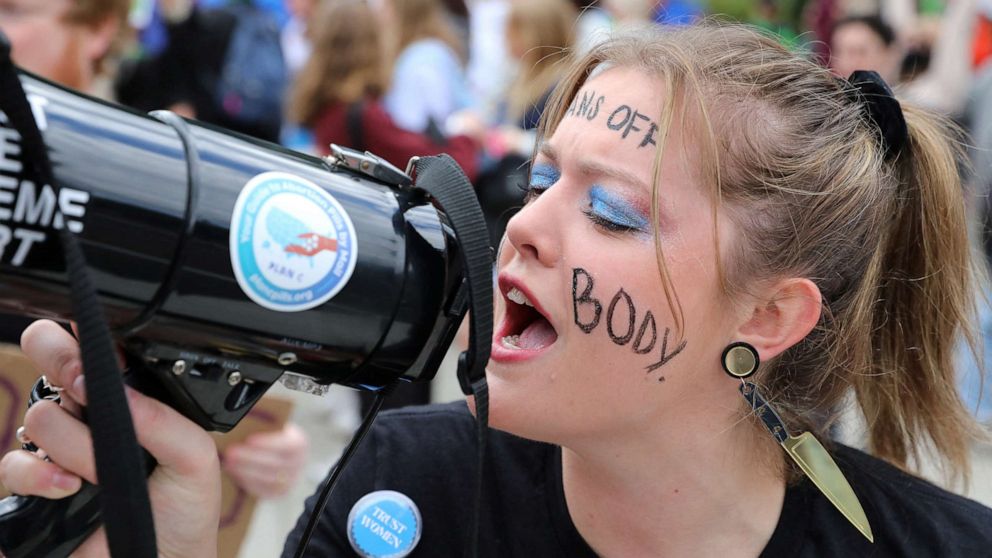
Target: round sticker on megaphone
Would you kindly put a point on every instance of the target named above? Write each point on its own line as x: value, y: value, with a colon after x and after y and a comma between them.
x: 292, y: 244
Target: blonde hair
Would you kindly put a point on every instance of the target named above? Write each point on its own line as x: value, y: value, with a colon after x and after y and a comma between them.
x: 545, y: 31
x: 347, y: 62
x: 423, y: 19
x: 93, y: 14
x: 797, y: 166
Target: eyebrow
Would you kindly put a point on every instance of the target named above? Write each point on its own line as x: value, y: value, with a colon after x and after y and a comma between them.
x: 594, y: 168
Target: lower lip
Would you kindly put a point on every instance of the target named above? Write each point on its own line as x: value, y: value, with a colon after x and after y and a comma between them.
x: 502, y: 353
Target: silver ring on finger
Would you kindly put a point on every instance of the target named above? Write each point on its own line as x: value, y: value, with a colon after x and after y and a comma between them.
x: 50, y: 386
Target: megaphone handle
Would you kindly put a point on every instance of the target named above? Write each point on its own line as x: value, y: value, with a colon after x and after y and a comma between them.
x: 35, y: 526
x: 31, y: 526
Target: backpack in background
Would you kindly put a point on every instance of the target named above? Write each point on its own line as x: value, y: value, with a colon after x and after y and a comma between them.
x: 252, y: 82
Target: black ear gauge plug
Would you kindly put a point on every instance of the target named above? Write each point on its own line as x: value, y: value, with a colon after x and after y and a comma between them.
x: 740, y: 360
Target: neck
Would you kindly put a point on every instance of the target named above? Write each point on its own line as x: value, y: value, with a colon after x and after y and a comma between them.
x: 708, y: 492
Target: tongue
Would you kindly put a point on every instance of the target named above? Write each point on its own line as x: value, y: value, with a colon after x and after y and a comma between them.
x: 537, y: 335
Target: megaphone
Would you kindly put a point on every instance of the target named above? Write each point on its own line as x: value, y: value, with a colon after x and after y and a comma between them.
x: 223, y: 263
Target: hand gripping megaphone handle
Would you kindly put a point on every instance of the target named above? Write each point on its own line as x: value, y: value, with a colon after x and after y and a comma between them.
x: 31, y: 526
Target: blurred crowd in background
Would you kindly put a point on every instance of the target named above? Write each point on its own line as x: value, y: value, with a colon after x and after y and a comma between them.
x: 466, y: 77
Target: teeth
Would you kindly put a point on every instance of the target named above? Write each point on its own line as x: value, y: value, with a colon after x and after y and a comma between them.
x: 517, y: 296
x: 512, y: 341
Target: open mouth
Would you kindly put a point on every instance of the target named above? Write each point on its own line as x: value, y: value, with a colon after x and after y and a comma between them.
x: 525, y: 328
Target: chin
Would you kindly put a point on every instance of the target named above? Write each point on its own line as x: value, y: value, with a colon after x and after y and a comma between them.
x: 522, y: 414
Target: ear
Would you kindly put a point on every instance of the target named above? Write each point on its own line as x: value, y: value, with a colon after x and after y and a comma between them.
x: 782, y: 318
x: 99, y: 38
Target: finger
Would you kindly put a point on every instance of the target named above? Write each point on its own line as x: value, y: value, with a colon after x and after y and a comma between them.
x: 53, y: 350
x: 22, y: 472
x: 256, y: 468
x: 290, y: 439
x: 119, y: 352
x: 73, y: 399
x: 175, y: 441
x: 172, y: 439
x: 71, y: 407
x: 265, y: 486
x: 238, y: 457
x: 66, y: 440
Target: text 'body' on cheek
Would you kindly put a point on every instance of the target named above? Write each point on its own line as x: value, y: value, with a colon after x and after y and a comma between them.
x: 641, y: 338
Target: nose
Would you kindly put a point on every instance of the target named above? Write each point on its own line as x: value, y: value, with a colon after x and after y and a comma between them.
x: 535, y: 232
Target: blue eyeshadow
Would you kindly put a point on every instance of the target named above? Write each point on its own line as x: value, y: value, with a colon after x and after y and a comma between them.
x: 543, y: 176
x: 615, y: 209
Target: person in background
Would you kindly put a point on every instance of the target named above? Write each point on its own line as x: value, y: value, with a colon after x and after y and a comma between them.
x: 457, y: 13
x: 593, y: 25
x: 296, y: 44
x: 489, y: 69
x: 865, y: 43
x: 66, y: 41
x: 940, y: 37
x: 769, y: 247
x: 222, y: 65
x: 627, y: 13
x: 69, y: 41
x: 540, y: 36
x: 428, y: 81
x: 295, y: 36
x: 338, y: 93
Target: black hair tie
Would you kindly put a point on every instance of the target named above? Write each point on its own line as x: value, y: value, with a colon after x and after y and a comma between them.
x: 881, y: 107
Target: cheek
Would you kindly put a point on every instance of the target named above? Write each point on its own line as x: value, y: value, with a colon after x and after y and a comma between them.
x: 622, y: 322
x: 41, y: 49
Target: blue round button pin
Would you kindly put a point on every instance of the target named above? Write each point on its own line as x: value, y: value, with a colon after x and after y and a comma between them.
x: 384, y: 524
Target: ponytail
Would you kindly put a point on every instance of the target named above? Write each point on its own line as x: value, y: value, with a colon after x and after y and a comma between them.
x: 924, y: 305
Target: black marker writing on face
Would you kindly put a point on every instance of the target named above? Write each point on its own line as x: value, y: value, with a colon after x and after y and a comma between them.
x: 649, y: 137
x: 638, y: 346
x: 648, y: 321
x: 587, y: 107
x: 615, y: 123
x: 625, y: 120
x: 631, y: 317
x: 665, y: 355
x: 584, y: 298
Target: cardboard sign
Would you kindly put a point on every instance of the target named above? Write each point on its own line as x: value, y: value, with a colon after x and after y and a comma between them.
x: 17, y: 377
x: 269, y: 414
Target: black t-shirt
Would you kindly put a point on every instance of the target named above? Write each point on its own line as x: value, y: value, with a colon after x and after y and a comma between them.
x: 428, y: 453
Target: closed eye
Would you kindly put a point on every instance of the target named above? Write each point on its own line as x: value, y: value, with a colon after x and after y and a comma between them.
x: 542, y: 177
x: 613, y: 212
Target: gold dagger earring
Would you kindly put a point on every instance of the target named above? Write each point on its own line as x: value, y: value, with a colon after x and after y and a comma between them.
x: 740, y: 360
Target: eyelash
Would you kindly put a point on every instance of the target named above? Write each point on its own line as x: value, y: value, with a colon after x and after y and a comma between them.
x: 607, y: 224
x: 533, y: 191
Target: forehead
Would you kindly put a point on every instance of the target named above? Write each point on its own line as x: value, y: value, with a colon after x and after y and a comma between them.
x: 614, y: 120
x: 36, y: 8
x: 857, y: 32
